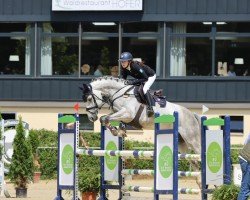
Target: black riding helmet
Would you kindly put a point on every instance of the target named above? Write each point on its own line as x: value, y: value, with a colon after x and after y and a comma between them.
x: 126, y: 56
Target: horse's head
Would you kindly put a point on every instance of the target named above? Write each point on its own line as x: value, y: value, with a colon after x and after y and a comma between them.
x: 94, y: 100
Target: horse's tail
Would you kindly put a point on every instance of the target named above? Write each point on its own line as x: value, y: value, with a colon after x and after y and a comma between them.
x: 198, y: 118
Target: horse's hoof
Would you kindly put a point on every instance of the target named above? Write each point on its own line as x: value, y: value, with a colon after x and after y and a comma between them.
x: 115, y: 133
x: 102, y: 119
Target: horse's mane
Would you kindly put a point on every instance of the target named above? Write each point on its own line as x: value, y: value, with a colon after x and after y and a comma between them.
x: 107, y: 82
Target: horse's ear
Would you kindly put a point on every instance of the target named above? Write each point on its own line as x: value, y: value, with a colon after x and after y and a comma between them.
x: 86, y: 88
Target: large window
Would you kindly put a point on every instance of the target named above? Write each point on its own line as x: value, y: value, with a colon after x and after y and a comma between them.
x: 210, y: 49
x: 15, y: 49
x: 232, y: 53
x: 83, y: 49
x: 233, y: 27
x: 99, y: 49
x: 198, y: 56
x: 59, y: 56
x: 59, y: 51
x: 190, y: 55
x: 143, y: 41
x: 199, y: 27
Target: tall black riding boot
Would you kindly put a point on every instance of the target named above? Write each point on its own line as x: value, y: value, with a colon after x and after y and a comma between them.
x: 150, y: 110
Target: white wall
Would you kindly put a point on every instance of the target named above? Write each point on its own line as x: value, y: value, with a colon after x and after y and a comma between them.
x: 41, y: 115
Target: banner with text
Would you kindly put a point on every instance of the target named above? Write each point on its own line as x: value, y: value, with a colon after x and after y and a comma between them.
x: 96, y: 5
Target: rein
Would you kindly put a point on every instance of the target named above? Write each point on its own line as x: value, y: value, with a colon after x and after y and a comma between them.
x: 112, y: 102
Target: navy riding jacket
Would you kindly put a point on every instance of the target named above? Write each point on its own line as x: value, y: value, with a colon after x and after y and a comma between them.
x: 139, y: 71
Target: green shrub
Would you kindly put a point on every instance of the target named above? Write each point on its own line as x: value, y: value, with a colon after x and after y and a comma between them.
x: 34, y: 140
x: 132, y: 145
x: 93, y: 139
x: 235, y: 154
x: 183, y: 165
x: 48, y: 162
x: 138, y: 163
x: 226, y: 192
x: 47, y: 155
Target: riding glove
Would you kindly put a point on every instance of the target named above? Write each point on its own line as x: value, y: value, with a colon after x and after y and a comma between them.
x: 129, y: 82
x: 132, y: 82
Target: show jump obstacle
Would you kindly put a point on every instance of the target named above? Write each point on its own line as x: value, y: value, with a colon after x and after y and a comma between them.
x: 215, y: 158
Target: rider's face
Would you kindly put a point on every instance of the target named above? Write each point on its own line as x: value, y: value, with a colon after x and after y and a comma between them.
x: 125, y: 64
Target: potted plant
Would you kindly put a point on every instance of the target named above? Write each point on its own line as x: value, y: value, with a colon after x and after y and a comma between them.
x: 21, y: 167
x: 89, y: 183
x: 37, y: 173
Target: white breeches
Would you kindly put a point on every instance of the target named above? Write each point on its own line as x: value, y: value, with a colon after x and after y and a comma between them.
x: 148, y: 84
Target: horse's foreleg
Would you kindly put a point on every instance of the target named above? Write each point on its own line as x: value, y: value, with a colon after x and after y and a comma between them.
x: 106, y: 121
x: 122, y: 130
x: 121, y: 115
x: 118, y: 116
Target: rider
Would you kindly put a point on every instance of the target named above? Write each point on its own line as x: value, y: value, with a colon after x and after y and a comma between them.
x: 142, y: 74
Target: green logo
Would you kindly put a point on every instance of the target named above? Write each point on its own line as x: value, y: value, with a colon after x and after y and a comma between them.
x: 214, y: 157
x: 111, y: 161
x: 165, y: 162
x: 67, y: 159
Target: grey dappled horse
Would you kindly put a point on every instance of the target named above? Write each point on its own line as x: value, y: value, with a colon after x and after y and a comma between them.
x: 121, y: 99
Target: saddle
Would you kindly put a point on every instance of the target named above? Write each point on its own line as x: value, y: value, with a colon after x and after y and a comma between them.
x: 156, y: 96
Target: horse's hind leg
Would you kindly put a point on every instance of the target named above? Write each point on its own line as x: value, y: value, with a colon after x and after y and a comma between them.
x: 183, y: 148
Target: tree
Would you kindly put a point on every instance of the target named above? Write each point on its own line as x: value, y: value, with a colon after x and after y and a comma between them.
x: 21, y: 167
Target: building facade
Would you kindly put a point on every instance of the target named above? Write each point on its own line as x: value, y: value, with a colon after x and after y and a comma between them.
x: 49, y: 48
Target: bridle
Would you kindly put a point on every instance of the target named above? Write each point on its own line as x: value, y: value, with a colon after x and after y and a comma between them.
x: 108, y: 101
x: 94, y: 96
